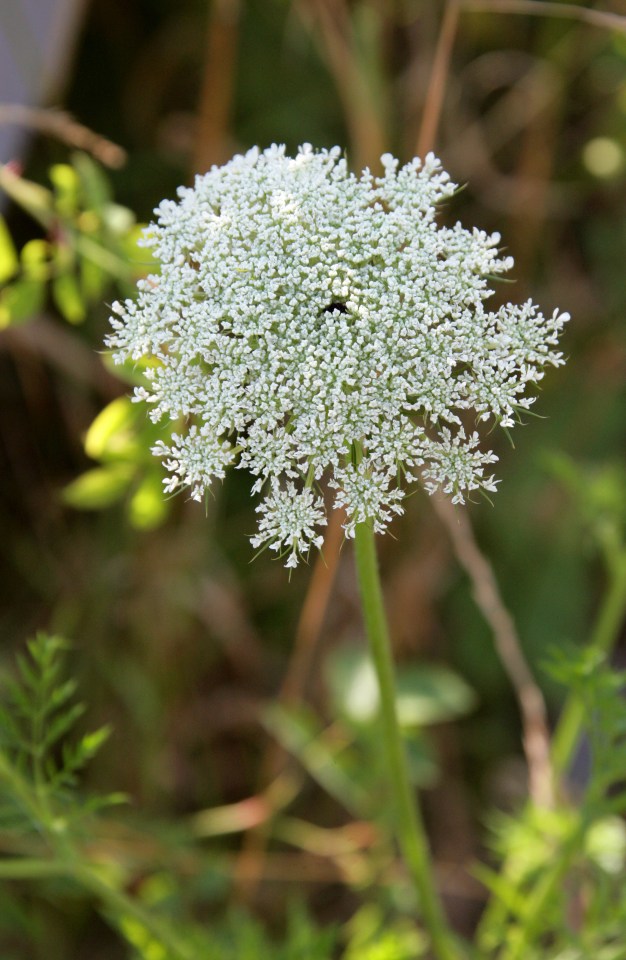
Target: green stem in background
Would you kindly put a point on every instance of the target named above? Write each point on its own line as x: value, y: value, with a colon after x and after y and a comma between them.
x: 603, y: 638
x: 409, y: 827
x: 120, y: 905
x: 66, y: 862
x: 117, y: 903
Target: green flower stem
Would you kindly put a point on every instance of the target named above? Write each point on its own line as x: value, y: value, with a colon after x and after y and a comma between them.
x: 409, y: 827
x: 603, y: 638
x: 31, y: 868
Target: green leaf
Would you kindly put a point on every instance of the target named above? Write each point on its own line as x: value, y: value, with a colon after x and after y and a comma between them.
x: 91, y: 743
x: 93, y: 279
x: 605, y: 843
x: 38, y: 715
x: 137, y: 256
x: 96, y: 188
x: 66, y: 187
x: 434, y: 694
x: 298, y: 732
x: 10, y: 734
x: 35, y: 257
x: 424, y: 694
x: 99, y: 488
x: 35, y: 199
x: 28, y: 674
x: 148, y: 507
x: 111, y: 436
x: 61, y: 725
x: 9, y: 260
x: 67, y: 296
x: 62, y: 693
x: 21, y: 301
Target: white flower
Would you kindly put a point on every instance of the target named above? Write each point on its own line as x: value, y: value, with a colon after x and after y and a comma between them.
x: 288, y: 520
x: 308, y: 323
x: 365, y: 495
x: 195, y: 459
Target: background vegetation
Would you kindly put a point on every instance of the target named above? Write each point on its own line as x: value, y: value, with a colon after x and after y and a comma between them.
x: 237, y: 699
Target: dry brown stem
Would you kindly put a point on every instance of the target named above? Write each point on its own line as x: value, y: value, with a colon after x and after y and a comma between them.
x: 62, y: 126
x: 368, y: 137
x: 57, y: 346
x: 546, y: 8
x: 313, y: 611
x: 532, y: 707
x: 429, y: 126
x: 250, y: 865
x: 218, y: 82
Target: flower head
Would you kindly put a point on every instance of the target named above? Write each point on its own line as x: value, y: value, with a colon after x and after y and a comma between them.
x: 311, y: 323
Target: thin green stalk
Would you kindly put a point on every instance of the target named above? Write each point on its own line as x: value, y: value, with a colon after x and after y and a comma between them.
x: 119, y: 903
x: 31, y: 868
x: 115, y: 900
x: 66, y: 862
x: 603, y: 638
x: 22, y: 792
x: 409, y: 827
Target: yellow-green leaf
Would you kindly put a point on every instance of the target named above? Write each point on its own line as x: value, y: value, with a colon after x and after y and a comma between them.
x: 32, y: 197
x: 66, y: 187
x: 95, y: 186
x: 35, y: 257
x: 68, y: 298
x: 9, y: 261
x: 148, y: 507
x: 92, y: 279
x: 111, y: 435
x: 21, y: 301
x: 99, y: 488
x: 139, y: 257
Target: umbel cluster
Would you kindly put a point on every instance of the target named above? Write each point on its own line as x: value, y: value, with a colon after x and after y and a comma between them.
x: 308, y: 324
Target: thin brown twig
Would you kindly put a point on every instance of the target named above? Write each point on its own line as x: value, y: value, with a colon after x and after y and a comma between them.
x: 535, y: 165
x: 536, y: 738
x: 548, y: 8
x: 218, y: 83
x: 365, y: 123
x: 431, y: 116
x: 248, y: 813
x: 55, y: 345
x: 532, y: 707
x: 313, y: 611
x: 312, y: 615
x: 62, y: 126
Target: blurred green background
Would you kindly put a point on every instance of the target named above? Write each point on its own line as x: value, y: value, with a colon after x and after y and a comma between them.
x: 178, y: 640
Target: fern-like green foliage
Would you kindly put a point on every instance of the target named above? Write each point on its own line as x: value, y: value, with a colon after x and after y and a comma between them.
x: 241, y: 937
x: 39, y: 764
x: 602, y: 692
x: 559, y: 892
x: 42, y: 812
